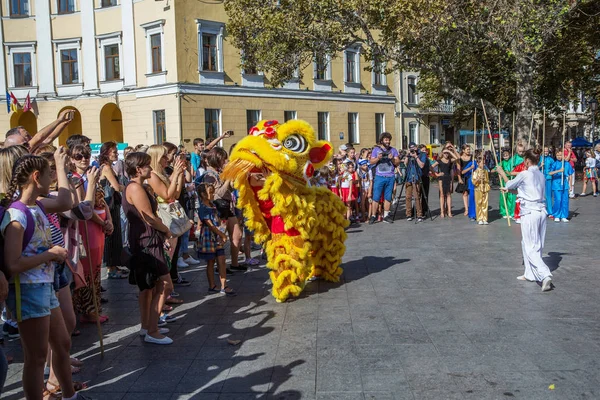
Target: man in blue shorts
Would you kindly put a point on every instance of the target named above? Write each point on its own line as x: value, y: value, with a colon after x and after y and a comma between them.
x: 385, y: 158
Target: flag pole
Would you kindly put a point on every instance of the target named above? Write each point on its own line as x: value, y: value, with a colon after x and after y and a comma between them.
x: 474, y: 133
x: 495, y: 157
x: 512, y: 147
x: 544, y: 138
x: 530, y: 131
x: 562, y: 183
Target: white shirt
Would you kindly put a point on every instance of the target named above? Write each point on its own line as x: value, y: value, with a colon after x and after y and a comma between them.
x: 590, y: 162
x: 531, y: 187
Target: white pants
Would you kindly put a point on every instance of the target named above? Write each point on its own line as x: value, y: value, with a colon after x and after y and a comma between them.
x: 533, y: 232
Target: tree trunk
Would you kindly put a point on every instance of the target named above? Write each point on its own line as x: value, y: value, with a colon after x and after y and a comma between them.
x: 525, y: 106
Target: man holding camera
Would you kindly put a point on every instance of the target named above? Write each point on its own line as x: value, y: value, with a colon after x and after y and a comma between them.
x: 415, y: 162
x: 385, y: 159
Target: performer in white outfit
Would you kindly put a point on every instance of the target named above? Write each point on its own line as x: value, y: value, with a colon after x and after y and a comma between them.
x: 530, y: 188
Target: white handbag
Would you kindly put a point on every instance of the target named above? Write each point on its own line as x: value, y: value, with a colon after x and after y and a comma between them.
x: 174, y: 217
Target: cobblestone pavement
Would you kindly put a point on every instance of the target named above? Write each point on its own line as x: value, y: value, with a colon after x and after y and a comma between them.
x: 424, y: 311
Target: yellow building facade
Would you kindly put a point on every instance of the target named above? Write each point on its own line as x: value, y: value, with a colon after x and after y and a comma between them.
x: 146, y: 71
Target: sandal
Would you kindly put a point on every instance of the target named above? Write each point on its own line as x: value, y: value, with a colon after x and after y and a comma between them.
x: 171, y: 300
x: 231, y: 292
x: 167, y: 308
x: 214, y: 289
x: 56, y: 389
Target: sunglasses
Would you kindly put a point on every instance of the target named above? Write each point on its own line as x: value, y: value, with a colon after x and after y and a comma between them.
x: 79, y: 157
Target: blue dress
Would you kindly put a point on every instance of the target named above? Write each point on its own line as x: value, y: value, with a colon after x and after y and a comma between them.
x: 472, y: 207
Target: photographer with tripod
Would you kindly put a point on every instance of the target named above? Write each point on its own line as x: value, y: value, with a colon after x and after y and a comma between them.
x: 415, y: 162
x: 385, y: 159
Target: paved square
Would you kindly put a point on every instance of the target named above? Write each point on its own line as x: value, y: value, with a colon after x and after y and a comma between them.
x: 425, y: 311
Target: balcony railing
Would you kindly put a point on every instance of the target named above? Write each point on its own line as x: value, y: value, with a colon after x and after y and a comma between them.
x: 441, y: 108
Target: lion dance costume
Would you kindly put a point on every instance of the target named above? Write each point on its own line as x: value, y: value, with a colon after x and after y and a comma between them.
x: 302, y: 226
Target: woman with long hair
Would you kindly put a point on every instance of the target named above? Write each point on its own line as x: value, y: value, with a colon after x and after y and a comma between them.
x: 109, y: 181
x: 217, y: 159
x: 148, y: 237
x: 446, y: 165
x: 32, y: 269
x: 166, y: 190
x: 92, y: 233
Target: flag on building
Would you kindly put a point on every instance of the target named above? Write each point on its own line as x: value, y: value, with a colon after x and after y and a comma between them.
x: 8, y: 100
x: 27, y: 105
x: 14, y: 103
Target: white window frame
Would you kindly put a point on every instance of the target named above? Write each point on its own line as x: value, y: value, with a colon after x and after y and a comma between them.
x: 327, y: 126
x: 99, y: 4
x: 293, y: 83
x: 416, y: 92
x: 357, y: 124
x: 64, y: 89
x: 294, y: 114
x: 108, y: 40
x: 436, y: 136
x: 259, y: 115
x: 323, y: 85
x: 8, y: 15
x: 416, y: 138
x: 352, y: 87
x: 219, y: 128
x: 150, y: 29
x: 21, y: 47
x: 383, y: 75
x: 251, y: 80
x: 211, y: 28
x: 154, y: 125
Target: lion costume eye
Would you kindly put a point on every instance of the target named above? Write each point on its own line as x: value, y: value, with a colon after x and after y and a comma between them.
x: 295, y: 143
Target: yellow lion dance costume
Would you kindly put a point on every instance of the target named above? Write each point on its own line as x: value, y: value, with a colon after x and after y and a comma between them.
x: 303, y: 226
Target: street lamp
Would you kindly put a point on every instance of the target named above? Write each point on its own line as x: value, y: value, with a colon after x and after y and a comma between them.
x: 593, y: 107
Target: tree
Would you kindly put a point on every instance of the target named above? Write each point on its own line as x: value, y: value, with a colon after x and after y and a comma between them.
x: 516, y: 55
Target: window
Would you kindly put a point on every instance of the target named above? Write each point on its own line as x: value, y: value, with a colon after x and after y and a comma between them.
x: 108, y: 3
x: 379, y: 125
x: 434, y: 136
x: 288, y: 115
x: 351, y: 66
x: 412, y: 132
x: 19, y: 8
x: 321, y: 67
x: 412, y: 90
x: 211, y: 124
x: 353, y: 128
x: 66, y: 6
x: 252, y: 118
x: 22, y: 69
x: 69, y: 66
x: 209, y: 52
x: 160, y: 126
x: 379, y: 78
x: 323, y: 126
x: 111, y: 62
x: 155, y: 42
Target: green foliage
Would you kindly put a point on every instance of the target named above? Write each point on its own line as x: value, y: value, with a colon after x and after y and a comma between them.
x: 515, y: 54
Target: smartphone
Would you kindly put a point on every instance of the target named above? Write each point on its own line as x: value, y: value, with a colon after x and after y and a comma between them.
x: 230, y: 133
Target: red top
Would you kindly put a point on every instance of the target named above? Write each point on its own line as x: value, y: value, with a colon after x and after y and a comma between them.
x: 275, y: 223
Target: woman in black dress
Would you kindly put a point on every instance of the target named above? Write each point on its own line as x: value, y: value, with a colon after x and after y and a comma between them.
x: 112, y: 196
x: 465, y: 158
x: 147, y: 239
x: 446, y: 165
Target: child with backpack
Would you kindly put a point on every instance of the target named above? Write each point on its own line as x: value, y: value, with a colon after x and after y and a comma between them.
x: 29, y: 259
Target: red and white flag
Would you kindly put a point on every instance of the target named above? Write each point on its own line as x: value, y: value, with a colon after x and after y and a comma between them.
x: 27, y: 104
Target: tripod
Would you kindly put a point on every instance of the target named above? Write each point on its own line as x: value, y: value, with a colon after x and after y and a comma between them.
x: 412, y: 163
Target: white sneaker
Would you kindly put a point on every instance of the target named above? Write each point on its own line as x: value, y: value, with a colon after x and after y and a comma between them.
x: 556, y: 219
x: 485, y: 223
x: 162, y: 331
x: 181, y: 263
x: 518, y: 221
x: 546, y: 284
x: 191, y: 261
x: 564, y: 220
x: 480, y: 223
x: 165, y: 340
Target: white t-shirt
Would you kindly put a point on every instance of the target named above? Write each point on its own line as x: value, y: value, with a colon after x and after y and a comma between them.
x: 590, y: 162
x: 40, y: 242
x: 346, y: 181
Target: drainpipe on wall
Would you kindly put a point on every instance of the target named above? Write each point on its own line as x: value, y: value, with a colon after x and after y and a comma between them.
x: 180, y: 116
x: 401, y: 110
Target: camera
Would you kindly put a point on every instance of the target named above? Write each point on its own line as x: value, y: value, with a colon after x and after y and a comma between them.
x: 413, y: 151
x: 385, y: 153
